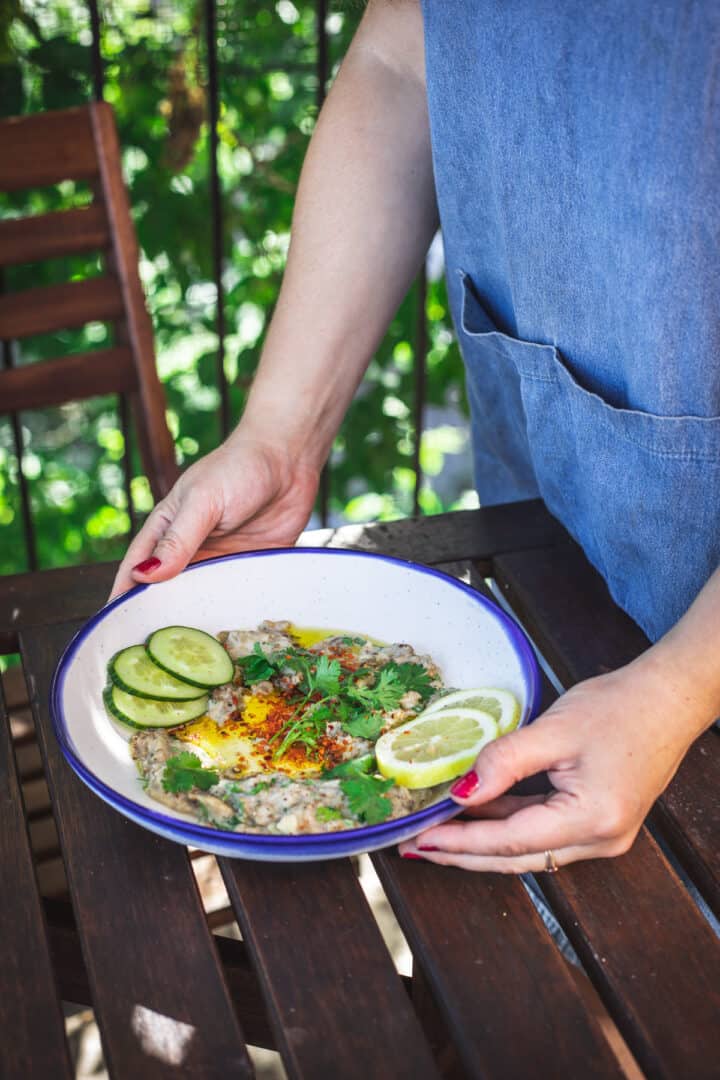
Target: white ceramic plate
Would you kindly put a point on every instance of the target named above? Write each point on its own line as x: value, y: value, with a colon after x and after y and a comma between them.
x: 471, y: 640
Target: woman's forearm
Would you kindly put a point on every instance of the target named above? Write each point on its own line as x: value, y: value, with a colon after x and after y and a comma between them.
x: 688, y: 656
x: 364, y: 216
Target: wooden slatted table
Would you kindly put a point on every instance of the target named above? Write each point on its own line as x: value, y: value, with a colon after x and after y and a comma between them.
x: 490, y: 995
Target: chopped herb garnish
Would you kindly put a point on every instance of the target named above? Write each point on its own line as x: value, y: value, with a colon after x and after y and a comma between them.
x: 308, y: 728
x: 385, y: 695
x: 262, y: 786
x: 325, y: 693
x: 366, y: 798
x: 355, y: 767
x: 412, y: 676
x: 185, y: 771
x: 258, y: 666
x: 364, y: 725
x: 328, y: 813
x: 326, y: 677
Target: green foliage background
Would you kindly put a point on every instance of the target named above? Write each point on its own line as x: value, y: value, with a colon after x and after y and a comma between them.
x: 155, y: 79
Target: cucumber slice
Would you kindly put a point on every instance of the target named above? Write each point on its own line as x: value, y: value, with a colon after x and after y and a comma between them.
x: 142, y: 713
x: 191, y: 655
x: 133, y: 671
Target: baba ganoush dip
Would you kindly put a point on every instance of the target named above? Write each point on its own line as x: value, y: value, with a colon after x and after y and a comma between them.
x: 286, y: 747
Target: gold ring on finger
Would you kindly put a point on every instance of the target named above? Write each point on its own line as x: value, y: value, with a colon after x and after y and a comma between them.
x: 551, y: 866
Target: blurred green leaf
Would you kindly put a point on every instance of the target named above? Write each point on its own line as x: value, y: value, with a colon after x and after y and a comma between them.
x: 155, y: 70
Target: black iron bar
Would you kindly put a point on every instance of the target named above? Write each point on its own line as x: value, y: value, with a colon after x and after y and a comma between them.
x: 98, y: 70
x: 420, y: 373
x: 126, y: 428
x: 216, y: 206
x: 321, y: 76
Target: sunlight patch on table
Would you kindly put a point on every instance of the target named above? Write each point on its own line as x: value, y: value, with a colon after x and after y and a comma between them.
x: 160, y: 1036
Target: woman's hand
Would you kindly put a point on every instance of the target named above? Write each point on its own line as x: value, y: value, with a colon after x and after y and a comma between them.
x: 246, y: 494
x: 610, y: 746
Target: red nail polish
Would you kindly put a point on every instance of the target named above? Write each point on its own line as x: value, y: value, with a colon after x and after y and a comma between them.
x: 147, y: 565
x: 412, y: 855
x: 426, y: 847
x: 465, y: 786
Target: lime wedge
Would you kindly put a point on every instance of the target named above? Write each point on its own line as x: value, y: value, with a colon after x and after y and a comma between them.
x: 503, y: 706
x: 434, y: 747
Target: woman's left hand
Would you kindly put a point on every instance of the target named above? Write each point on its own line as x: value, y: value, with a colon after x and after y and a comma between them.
x: 610, y: 746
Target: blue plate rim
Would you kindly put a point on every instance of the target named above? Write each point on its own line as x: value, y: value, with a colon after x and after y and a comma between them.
x: 517, y: 636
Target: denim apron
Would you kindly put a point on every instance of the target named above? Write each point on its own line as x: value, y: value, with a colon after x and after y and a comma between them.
x: 576, y: 148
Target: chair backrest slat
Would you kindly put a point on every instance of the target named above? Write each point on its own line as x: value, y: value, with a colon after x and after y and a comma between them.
x: 77, y: 144
x: 69, y: 378
x: 59, y: 307
x: 47, y: 236
x: 36, y: 151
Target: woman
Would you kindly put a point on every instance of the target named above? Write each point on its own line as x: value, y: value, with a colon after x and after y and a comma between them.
x: 569, y: 152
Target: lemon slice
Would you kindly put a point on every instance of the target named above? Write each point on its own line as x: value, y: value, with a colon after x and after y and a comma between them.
x: 503, y: 706
x: 434, y: 748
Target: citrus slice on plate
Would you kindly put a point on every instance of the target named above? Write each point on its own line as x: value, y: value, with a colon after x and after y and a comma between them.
x: 434, y: 747
x: 503, y: 706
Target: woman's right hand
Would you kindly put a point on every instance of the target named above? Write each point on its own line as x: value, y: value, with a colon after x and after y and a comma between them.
x: 246, y: 494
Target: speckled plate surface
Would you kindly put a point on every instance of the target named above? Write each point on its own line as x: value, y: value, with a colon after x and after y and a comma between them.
x: 471, y: 640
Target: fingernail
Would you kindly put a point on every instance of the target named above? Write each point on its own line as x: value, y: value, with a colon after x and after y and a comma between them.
x: 464, y: 787
x: 412, y: 855
x: 147, y: 565
x: 426, y: 847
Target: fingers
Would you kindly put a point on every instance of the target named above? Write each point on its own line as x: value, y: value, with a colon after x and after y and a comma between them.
x: 534, y: 863
x: 555, y: 823
x: 513, y: 757
x: 142, y: 547
x: 516, y: 844
x: 167, y: 542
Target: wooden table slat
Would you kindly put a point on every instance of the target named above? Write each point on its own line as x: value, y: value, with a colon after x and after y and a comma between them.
x: 464, y: 534
x: 651, y: 954
x: 688, y: 816
x: 74, y: 984
x: 158, y: 990
x: 489, y: 961
x: 29, y: 1002
x: 653, y: 958
x: 336, y: 1002
x: 487, y: 964
x: 567, y: 608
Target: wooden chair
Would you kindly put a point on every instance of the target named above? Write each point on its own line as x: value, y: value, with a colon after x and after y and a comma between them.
x: 38, y: 151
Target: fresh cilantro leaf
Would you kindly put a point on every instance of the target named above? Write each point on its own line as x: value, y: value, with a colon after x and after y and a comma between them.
x: 326, y: 677
x: 412, y: 676
x: 355, y: 767
x: 347, y: 640
x: 257, y: 667
x: 366, y: 798
x: 364, y: 725
x: 185, y: 771
x: 328, y: 813
x: 263, y: 785
x: 385, y: 695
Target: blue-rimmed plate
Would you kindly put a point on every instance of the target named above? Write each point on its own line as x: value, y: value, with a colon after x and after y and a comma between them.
x: 472, y: 641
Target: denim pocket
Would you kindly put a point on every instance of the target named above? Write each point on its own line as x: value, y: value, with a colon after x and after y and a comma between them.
x: 640, y: 492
